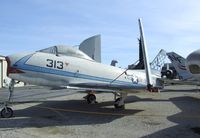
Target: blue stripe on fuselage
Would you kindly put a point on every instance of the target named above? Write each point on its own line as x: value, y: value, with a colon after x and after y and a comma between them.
x: 21, y: 64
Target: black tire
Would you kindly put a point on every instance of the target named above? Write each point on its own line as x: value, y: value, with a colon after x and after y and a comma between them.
x: 117, y: 106
x: 91, y: 98
x: 6, y: 112
x: 169, y: 74
x: 155, y: 90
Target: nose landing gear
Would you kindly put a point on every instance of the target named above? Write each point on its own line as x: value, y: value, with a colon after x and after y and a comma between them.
x: 7, y: 112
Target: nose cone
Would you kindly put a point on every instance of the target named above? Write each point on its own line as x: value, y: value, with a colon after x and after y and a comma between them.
x: 15, y: 58
x: 194, y: 56
x: 193, y: 62
x: 12, y: 63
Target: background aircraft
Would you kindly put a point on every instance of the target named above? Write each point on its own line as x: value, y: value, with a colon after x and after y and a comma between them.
x: 182, y: 67
x: 64, y: 66
x: 193, y: 64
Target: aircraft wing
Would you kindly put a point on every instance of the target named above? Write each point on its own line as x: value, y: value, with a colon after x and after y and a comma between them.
x: 91, y: 89
x: 103, y: 87
x: 180, y: 82
x: 106, y: 87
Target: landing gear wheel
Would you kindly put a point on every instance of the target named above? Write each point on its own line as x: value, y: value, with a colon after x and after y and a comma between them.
x: 6, y: 112
x: 155, y: 90
x: 117, y: 106
x: 169, y: 74
x: 91, y: 98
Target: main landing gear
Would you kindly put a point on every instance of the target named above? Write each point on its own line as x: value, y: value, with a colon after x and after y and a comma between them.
x: 90, y: 97
x: 119, y: 100
x: 150, y: 88
x: 7, y: 112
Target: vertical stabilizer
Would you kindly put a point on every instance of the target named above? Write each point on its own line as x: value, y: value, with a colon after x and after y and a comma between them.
x: 145, y: 55
x: 92, y: 47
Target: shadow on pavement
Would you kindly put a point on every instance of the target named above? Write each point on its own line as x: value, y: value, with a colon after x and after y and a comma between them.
x: 60, y: 113
x: 187, y: 121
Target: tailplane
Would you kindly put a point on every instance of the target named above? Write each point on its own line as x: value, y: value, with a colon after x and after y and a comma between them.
x: 179, y: 64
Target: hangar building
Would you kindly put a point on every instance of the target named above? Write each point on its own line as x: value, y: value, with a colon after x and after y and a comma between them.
x: 4, y: 80
x: 3, y: 66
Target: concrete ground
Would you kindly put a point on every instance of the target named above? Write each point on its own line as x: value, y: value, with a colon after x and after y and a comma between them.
x: 42, y: 112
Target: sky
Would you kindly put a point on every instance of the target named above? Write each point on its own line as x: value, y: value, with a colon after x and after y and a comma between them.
x: 31, y: 25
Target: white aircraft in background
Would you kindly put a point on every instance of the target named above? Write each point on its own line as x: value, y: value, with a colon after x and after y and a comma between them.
x: 63, y: 66
x: 193, y: 64
x: 186, y: 68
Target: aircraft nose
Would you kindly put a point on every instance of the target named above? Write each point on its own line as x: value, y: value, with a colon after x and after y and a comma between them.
x: 192, y: 62
x: 12, y: 59
x: 11, y: 63
x: 194, y: 56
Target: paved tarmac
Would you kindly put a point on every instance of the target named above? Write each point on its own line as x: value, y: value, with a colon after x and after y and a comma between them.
x: 42, y: 112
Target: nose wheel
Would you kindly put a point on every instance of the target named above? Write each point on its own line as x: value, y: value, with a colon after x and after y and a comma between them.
x: 6, y: 112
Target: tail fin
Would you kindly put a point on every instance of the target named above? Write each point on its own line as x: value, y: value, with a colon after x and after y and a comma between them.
x: 179, y: 64
x: 159, y: 61
x: 92, y: 47
x: 145, y: 56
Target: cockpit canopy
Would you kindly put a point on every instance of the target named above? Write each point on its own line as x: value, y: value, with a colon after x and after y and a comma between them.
x: 65, y: 51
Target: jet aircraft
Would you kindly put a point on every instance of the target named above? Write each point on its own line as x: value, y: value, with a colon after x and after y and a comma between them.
x: 193, y: 64
x: 68, y: 67
x: 186, y: 68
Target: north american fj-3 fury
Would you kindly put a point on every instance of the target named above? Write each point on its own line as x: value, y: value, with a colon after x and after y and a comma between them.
x: 63, y: 66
